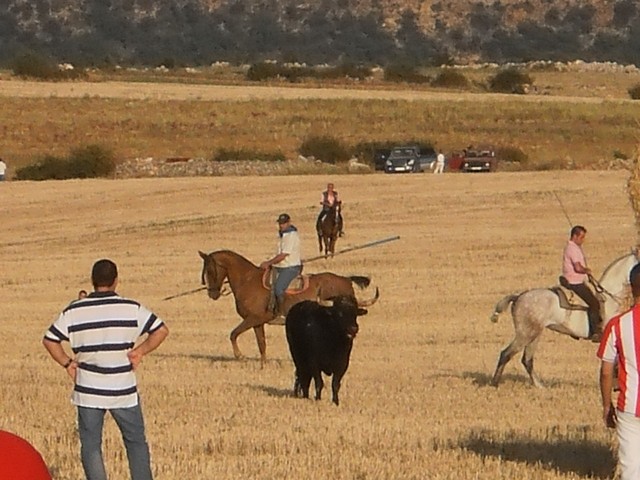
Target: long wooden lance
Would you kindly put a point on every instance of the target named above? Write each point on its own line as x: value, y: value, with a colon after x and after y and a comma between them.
x: 351, y: 249
x: 306, y: 260
x: 185, y: 293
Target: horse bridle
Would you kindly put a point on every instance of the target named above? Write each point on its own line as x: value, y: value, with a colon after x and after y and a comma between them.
x: 603, y: 291
x: 215, y: 277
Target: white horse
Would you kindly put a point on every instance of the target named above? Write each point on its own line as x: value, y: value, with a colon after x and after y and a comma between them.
x: 539, y: 308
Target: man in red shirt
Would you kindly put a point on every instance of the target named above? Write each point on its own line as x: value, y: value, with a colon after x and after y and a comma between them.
x: 621, y: 343
x: 576, y: 272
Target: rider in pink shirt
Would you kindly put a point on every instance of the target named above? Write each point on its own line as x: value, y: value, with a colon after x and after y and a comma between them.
x: 576, y: 272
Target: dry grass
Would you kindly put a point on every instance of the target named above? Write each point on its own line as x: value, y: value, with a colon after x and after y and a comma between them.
x: 579, y: 128
x: 415, y: 402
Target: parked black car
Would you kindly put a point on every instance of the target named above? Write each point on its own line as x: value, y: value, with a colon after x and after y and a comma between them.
x: 380, y: 157
x: 410, y: 158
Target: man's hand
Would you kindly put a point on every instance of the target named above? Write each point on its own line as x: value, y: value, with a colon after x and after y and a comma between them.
x: 609, y: 416
x: 265, y: 265
x: 135, y: 357
x: 152, y: 342
x: 72, y: 369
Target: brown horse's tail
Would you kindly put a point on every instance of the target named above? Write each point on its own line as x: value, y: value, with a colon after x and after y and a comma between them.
x: 502, y: 305
x: 360, y: 281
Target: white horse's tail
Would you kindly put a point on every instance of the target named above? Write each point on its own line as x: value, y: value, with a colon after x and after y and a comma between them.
x: 502, y: 305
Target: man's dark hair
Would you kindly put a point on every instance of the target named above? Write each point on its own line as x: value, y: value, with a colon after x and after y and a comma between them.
x: 104, y: 273
x: 578, y: 229
x: 634, y: 280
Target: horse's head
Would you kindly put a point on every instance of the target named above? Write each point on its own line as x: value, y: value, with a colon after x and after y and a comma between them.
x: 212, y: 275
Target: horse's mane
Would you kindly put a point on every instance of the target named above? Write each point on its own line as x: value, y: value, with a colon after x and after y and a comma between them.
x: 235, y: 256
x: 614, y: 263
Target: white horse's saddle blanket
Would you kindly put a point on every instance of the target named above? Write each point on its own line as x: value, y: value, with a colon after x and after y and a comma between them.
x: 569, y: 300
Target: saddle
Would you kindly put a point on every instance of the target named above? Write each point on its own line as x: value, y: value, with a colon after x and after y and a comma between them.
x: 296, y: 286
x: 570, y: 300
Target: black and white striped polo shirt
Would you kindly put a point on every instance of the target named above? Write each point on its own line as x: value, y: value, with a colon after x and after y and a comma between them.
x: 101, y: 329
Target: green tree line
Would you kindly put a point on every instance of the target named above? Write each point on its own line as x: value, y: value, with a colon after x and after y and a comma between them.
x: 108, y: 32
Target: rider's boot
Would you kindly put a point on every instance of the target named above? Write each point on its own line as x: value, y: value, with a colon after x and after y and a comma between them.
x: 595, y: 328
x: 278, y: 317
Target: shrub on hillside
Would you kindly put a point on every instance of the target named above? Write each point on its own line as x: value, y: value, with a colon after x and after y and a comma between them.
x: 35, y: 66
x: 618, y: 155
x: 263, y: 71
x: 634, y: 92
x: 449, y: 78
x: 91, y: 161
x: 511, y: 154
x: 269, y: 70
x: 32, y: 65
x: 84, y: 162
x: 226, y: 155
x: 48, y: 167
x: 404, y: 73
x: 365, y: 151
x: 510, y: 81
x: 350, y: 70
x: 325, y: 148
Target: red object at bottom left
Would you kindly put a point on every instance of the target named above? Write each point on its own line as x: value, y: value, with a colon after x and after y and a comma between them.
x: 19, y: 460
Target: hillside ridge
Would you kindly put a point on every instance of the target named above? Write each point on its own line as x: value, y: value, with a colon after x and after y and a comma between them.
x: 362, y: 31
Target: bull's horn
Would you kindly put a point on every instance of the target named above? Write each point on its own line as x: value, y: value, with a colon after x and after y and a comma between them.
x: 325, y: 303
x: 371, y: 301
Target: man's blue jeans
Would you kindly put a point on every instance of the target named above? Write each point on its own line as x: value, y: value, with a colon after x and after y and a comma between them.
x: 285, y: 275
x: 131, y: 425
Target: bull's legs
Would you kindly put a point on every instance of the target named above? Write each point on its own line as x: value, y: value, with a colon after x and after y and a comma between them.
x: 320, y: 242
x: 527, y: 361
x: 317, y: 381
x: 297, y: 388
x: 262, y: 343
x: 335, y: 388
x: 304, y: 381
x: 241, y: 328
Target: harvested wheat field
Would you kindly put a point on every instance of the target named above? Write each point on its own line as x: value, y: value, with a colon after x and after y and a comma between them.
x: 416, y: 402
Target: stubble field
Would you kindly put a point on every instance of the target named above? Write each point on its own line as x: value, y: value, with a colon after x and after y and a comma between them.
x: 415, y: 403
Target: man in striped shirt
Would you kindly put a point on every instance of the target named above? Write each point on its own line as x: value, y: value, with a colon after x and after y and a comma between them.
x: 102, y: 330
x: 621, y: 343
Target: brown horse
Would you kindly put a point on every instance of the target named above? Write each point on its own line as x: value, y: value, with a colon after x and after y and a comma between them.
x: 252, y: 296
x: 328, y: 230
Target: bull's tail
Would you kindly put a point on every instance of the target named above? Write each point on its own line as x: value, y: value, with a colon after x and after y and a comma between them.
x: 502, y: 305
x: 360, y: 281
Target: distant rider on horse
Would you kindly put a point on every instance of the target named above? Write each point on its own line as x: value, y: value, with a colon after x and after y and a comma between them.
x: 328, y: 200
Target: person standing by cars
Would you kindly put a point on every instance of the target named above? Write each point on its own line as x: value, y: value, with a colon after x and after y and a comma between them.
x: 439, y: 163
x: 287, y: 263
x: 102, y: 329
x: 619, y: 345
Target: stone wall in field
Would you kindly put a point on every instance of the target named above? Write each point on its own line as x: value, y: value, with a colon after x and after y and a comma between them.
x: 199, y: 167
